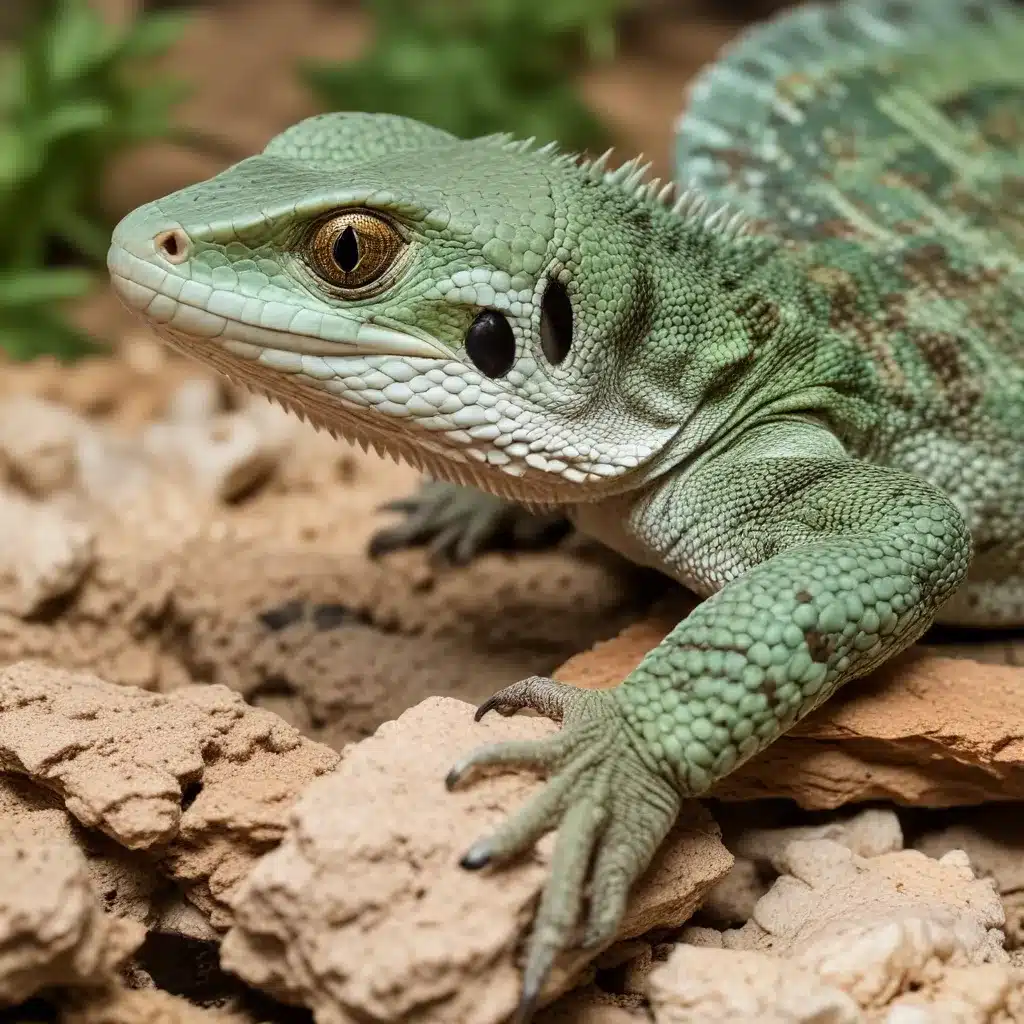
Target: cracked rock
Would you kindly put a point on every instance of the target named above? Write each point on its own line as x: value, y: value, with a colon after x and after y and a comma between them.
x: 993, y: 838
x: 986, y: 994
x: 875, y: 927
x: 197, y: 775
x: 702, y: 985
x: 759, y: 853
x: 362, y: 915
x: 127, y: 885
x: 53, y: 929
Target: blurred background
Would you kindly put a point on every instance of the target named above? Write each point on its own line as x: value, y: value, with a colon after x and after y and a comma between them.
x: 106, y: 104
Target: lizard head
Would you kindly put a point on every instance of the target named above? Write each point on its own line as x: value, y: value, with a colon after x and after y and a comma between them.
x: 479, y: 308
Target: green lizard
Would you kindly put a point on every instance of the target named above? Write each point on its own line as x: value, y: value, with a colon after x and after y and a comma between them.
x: 796, y: 385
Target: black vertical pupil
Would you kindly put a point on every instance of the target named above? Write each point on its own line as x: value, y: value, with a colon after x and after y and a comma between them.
x: 346, y: 250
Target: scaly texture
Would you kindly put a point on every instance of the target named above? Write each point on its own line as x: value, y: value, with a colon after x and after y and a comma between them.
x: 807, y: 404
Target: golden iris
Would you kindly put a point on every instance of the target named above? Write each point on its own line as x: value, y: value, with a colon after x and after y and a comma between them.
x: 354, y: 249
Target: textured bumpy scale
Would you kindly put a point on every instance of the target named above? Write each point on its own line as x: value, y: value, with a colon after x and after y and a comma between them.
x: 796, y: 385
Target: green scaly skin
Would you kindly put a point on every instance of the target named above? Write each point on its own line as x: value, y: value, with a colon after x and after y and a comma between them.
x: 808, y: 407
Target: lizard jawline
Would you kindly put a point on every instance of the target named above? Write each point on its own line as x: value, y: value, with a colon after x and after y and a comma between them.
x: 426, y: 453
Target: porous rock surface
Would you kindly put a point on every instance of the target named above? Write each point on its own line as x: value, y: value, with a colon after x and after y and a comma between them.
x: 875, y: 925
x: 588, y: 1005
x: 161, y: 529
x: 760, y: 853
x: 53, y: 927
x: 196, y: 774
x: 923, y: 730
x: 843, y: 939
x: 704, y: 985
x: 129, y: 886
x: 163, y: 535
x: 363, y: 915
x: 993, y: 838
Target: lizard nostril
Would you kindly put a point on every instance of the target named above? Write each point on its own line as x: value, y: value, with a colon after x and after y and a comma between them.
x: 173, y: 245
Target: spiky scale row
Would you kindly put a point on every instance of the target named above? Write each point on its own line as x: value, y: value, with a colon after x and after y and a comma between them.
x: 690, y: 204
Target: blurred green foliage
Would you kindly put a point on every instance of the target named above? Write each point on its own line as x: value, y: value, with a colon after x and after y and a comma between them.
x: 475, y: 67
x: 71, y: 99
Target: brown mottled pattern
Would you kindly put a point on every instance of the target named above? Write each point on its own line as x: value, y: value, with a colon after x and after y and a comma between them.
x: 890, y: 169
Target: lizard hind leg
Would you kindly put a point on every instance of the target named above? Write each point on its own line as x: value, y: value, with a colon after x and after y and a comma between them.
x: 457, y: 523
x: 611, y: 810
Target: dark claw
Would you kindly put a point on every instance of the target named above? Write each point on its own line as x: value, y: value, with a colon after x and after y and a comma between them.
x: 528, y: 999
x: 488, y: 705
x: 384, y: 543
x: 495, y: 703
x: 475, y: 858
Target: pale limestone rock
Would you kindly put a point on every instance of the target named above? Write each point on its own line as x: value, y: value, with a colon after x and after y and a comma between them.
x: 731, y: 902
x: 53, y: 930
x: 364, y: 915
x: 868, y: 833
x: 875, y: 927
x: 223, y: 457
x: 45, y: 551
x: 125, y: 761
x: 196, y: 401
x: 993, y: 838
x: 701, y: 985
x: 759, y: 850
x: 985, y: 994
x: 39, y: 444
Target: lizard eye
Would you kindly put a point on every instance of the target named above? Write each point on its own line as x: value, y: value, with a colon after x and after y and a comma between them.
x: 354, y: 249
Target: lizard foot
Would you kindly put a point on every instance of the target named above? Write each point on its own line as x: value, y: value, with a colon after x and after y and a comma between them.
x: 611, y: 808
x: 457, y: 523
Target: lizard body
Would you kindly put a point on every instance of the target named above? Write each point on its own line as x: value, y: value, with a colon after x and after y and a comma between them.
x: 807, y: 405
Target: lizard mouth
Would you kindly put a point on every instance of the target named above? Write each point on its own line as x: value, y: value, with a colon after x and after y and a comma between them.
x: 319, y: 365
x: 274, y: 333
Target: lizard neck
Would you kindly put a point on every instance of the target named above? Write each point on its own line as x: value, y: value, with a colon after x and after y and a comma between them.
x: 759, y: 342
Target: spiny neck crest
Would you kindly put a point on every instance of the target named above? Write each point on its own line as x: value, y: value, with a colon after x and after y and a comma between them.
x: 689, y: 204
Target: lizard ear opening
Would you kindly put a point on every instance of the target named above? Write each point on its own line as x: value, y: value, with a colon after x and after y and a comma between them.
x: 555, y: 322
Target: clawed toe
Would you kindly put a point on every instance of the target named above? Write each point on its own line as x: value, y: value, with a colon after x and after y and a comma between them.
x: 543, y: 753
x: 458, y: 523
x: 611, y: 810
x: 537, y: 693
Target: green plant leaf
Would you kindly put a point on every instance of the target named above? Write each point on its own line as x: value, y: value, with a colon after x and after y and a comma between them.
x: 73, y: 96
x: 474, y: 69
x: 77, y: 41
x: 153, y: 35
x: 83, y: 116
x: 20, y: 288
x: 19, y: 157
x: 43, y: 333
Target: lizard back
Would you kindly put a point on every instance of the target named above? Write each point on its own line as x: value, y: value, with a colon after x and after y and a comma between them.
x: 883, y: 142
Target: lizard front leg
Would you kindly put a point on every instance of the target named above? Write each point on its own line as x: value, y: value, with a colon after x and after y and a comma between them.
x: 819, y: 567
